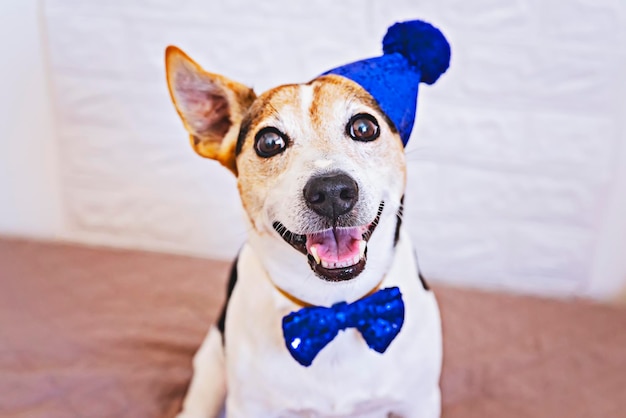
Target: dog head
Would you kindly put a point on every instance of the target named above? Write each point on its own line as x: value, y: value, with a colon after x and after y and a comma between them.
x: 320, y: 169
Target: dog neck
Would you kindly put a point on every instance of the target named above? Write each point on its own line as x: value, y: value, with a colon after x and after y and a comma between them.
x: 304, y: 304
x: 289, y: 273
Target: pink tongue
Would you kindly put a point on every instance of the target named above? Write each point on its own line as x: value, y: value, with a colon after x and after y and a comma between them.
x: 336, y: 245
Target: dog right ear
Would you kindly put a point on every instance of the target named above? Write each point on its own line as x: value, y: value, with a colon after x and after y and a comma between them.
x: 210, y: 106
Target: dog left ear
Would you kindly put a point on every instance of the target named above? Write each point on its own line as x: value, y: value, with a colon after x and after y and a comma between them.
x: 210, y: 106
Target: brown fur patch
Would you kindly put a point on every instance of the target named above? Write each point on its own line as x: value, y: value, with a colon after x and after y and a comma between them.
x: 351, y: 89
x: 265, y: 105
x: 210, y: 105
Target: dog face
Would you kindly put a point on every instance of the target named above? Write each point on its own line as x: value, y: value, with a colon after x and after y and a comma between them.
x: 320, y: 169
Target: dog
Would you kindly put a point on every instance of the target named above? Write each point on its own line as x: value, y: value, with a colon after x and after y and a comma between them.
x: 321, y: 173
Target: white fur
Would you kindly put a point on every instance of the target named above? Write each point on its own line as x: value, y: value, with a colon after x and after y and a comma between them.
x: 207, y: 390
x: 323, y: 163
x: 346, y: 379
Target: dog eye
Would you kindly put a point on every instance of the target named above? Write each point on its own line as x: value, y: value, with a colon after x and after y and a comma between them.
x: 269, y: 142
x: 363, y: 127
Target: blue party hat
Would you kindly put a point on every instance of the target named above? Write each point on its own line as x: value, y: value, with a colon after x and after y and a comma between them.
x: 413, y: 52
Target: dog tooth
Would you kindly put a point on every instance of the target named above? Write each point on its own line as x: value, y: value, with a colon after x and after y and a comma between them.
x: 325, y: 264
x: 313, y: 251
x: 356, y: 259
x: 362, y: 247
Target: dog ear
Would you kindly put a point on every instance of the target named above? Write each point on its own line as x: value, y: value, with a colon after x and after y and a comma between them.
x: 210, y: 106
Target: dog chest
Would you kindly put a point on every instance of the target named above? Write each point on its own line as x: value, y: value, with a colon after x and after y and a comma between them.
x: 346, y: 378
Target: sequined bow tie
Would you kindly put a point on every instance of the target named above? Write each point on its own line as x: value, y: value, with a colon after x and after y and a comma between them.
x: 378, y: 317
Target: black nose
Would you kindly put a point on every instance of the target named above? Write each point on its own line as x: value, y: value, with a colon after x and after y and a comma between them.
x: 331, y: 195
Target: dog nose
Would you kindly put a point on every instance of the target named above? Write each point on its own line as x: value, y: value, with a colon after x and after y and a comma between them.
x: 331, y: 195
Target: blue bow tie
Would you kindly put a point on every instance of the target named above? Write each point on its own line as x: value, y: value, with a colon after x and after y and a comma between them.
x: 378, y: 317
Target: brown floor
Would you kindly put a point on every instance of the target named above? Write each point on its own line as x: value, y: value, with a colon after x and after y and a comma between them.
x: 621, y: 298
x: 104, y: 333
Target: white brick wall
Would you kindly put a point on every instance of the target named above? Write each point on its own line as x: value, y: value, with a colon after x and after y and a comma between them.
x: 513, y: 162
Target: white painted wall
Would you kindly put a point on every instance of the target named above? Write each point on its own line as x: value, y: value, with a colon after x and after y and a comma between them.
x: 518, y: 178
x: 516, y: 164
x: 30, y: 193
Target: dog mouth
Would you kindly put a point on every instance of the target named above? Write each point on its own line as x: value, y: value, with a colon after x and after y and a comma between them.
x: 334, y: 254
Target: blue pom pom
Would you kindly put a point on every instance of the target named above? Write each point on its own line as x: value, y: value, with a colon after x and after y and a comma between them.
x: 422, y: 45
